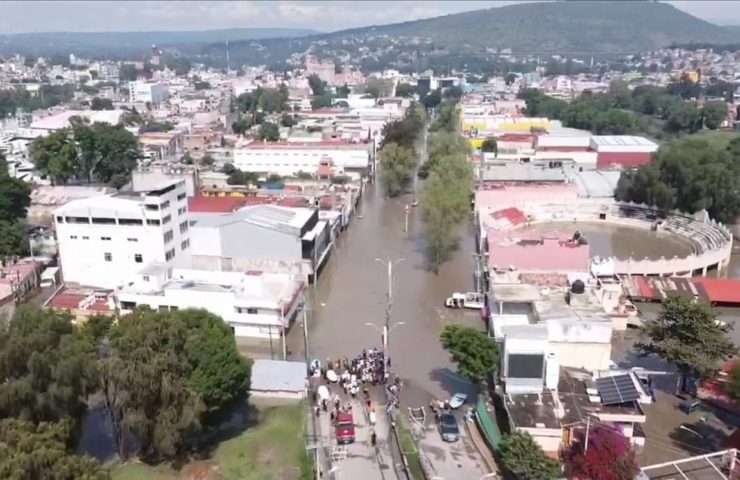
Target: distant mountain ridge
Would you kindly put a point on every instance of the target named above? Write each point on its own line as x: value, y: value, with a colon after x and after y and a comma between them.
x: 597, y: 26
x: 81, y: 43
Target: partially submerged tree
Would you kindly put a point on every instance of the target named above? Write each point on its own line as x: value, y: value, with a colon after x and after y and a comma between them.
x: 397, y: 165
x: 474, y: 352
x: 688, y: 334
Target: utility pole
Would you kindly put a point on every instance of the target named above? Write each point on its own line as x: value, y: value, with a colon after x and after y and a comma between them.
x: 406, y: 218
x: 588, y: 428
x: 305, y: 327
x: 389, y: 305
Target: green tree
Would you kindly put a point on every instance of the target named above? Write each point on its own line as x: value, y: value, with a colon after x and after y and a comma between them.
x: 475, y: 353
x: 687, y: 334
x: 47, y: 368
x: 288, y: 120
x: 273, y: 100
x: 322, y: 101
x: 167, y: 374
x: 154, y: 126
x: 318, y: 86
x: 101, y: 104
x: 343, y: 91
x: 405, y: 90
x: 524, y: 458
x: 207, y: 160
x: 202, y: 85
x: 40, y: 451
x: 688, y: 174
x: 714, y: 113
x: 237, y: 177
x: 732, y: 387
x: 683, y: 116
x: 432, y: 99
x: 187, y: 159
x: 15, y: 195
x: 55, y: 156
x: 269, y: 131
x: 128, y: 72
x: 397, y: 164
x: 241, y: 126
x: 490, y: 145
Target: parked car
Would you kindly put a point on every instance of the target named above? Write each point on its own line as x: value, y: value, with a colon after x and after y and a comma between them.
x: 448, y: 427
x: 344, y: 427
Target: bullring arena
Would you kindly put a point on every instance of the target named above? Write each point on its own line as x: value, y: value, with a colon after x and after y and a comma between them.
x: 513, y: 225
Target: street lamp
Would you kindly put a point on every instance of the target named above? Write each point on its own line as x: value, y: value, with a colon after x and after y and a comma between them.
x: 387, y: 328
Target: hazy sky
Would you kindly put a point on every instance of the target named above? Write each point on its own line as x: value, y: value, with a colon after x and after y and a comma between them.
x: 42, y: 16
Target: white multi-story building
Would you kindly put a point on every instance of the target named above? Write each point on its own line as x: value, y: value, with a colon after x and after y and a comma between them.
x: 104, y: 241
x: 253, y: 303
x: 152, y: 92
x: 285, y: 158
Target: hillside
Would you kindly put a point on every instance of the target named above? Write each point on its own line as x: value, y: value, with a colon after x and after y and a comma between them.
x: 122, y: 43
x: 603, y: 27
x: 567, y: 27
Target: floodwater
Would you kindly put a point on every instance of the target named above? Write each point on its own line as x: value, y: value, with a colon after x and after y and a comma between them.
x: 621, y: 242
x: 351, y: 292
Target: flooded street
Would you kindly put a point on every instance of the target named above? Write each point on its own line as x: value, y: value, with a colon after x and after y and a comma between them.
x: 352, y: 292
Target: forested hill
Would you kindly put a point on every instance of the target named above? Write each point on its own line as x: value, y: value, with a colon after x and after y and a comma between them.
x: 123, y: 43
x: 608, y: 27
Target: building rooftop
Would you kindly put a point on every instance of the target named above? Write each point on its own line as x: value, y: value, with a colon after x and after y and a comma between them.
x: 521, y: 172
x: 595, y: 183
x: 622, y: 141
x: 278, y: 376
x: 533, y: 410
x: 545, y: 253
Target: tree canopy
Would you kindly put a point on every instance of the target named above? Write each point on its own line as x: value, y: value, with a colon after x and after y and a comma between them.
x: 688, y: 174
x: 687, y: 334
x: 40, y: 451
x: 524, y: 458
x: 101, y: 104
x: 405, y: 90
x: 269, y: 131
x: 445, y: 196
x: 167, y: 374
x: 47, y: 368
x: 397, y: 167
x: 474, y: 352
x: 318, y: 86
x: 610, y: 456
x: 489, y: 145
x: 97, y: 152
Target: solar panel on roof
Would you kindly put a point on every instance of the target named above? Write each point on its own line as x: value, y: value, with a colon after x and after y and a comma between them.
x: 617, y: 389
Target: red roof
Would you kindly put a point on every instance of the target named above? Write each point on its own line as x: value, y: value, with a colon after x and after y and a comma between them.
x: 215, y: 204
x: 513, y: 215
x: 71, y: 301
x: 720, y: 290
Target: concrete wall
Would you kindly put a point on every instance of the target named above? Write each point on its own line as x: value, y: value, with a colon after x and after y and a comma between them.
x: 590, y: 356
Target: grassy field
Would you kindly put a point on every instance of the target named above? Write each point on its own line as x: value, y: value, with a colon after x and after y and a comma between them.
x: 273, y: 449
x: 408, y: 446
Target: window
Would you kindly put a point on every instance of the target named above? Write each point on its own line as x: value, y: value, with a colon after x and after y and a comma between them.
x: 181, y: 196
x: 166, y: 219
x: 128, y: 305
x: 108, y: 257
x: 168, y: 235
x: 132, y: 239
x: 173, y: 308
x: 73, y: 237
x: 76, y: 219
x: 164, y: 308
x: 165, y: 205
x: 252, y: 311
x: 138, y: 258
x: 182, y: 210
x: 86, y: 238
x: 183, y: 227
x: 105, y: 239
x: 169, y: 255
x: 152, y: 221
x: 103, y: 221
x: 145, y: 278
x: 130, y: 221
x: 150, y: 206
x: 60, y: 219
x: 185, y: 244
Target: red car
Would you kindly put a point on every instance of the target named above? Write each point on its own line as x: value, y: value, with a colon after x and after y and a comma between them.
x: 344, y: 427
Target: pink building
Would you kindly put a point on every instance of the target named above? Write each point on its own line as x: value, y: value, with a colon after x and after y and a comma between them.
x: 496, y: 196
x: 539, y: 254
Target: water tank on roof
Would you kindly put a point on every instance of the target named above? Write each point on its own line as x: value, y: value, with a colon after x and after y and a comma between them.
x: 578, y: 287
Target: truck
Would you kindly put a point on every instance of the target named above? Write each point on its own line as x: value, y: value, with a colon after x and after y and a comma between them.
x: 344, y: 428
x: 472, y: 300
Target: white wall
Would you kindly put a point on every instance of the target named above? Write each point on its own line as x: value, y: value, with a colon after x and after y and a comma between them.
x: 288, y: 161
x: 83, y: 246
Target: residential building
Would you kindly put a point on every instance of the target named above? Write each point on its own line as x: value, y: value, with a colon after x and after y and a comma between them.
x: 105, y: 240
x: 287, y: 159
x: 141, y: 91
x: 253, y: 303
